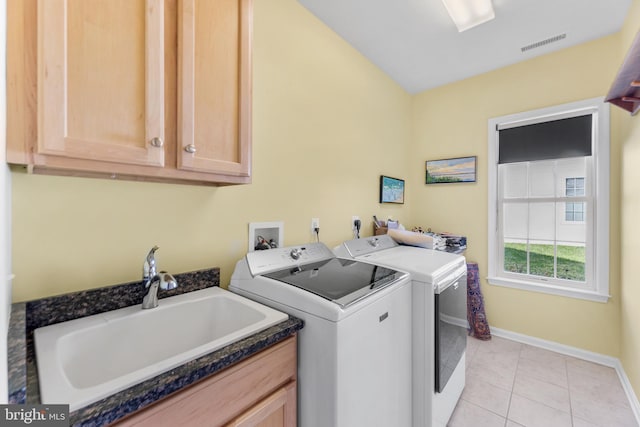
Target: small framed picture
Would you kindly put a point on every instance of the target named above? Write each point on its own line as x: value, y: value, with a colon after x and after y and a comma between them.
x: 391, y: 190
x: 445, y: 171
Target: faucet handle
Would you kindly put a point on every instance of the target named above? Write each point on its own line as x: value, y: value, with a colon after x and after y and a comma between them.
x: 167, y: 281
x: 149, y: 267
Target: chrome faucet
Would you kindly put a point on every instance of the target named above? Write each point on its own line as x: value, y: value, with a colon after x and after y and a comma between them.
x: 154, y: 280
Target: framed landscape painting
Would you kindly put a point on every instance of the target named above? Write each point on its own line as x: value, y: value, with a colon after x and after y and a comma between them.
x: 391, y: 190
x: 459, y: 169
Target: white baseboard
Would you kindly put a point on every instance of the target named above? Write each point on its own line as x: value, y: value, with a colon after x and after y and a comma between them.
x: 628, y: 389
x: 601, y: 359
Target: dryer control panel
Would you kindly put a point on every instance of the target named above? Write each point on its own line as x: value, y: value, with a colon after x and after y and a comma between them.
x: 267, y: 261
x: 367, y: 245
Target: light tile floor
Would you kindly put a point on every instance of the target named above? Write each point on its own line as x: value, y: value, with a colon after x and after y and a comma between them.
x: 510, y: 384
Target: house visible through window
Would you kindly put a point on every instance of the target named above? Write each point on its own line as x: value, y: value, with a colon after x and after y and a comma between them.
x: 537, y: 244
x: 547, y: 169
x: 574, y: 212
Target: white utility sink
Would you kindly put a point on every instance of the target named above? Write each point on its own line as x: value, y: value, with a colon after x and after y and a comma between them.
x: 84, y: 360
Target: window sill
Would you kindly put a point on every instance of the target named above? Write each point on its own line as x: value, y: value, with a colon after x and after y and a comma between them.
x: 548, y: 289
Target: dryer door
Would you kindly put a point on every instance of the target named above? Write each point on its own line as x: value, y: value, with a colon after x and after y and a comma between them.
x: 450, y: 330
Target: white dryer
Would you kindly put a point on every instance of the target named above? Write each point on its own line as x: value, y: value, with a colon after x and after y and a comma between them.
x: 354, y: 352
x: 439, y: 307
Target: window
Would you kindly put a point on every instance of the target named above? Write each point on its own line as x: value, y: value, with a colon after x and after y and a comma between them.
x: 574, y: 187
x: 549, y: 202
x: 574, y: 212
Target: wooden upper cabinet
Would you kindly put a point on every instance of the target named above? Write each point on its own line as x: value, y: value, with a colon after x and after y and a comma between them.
x: 101, y: 80
x: 154, y: 90
x: 214, y: 86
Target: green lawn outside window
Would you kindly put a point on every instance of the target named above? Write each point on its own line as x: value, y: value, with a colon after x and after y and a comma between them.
x: 571, y: 260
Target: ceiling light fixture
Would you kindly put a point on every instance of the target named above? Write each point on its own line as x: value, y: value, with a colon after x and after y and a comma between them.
x: 469, y: 13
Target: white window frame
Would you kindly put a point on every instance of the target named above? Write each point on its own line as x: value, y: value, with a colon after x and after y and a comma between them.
x: 599, y: 288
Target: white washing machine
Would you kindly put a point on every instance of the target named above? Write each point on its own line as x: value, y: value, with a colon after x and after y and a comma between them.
x: 439, y: 286
x: 354, y: 352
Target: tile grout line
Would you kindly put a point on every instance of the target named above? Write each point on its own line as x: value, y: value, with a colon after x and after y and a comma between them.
x: 566, y: 364
x: 536, y: 359
x: 566, y: 368
x: 570, y: 412
x: 513, y: 385
x: 577, y: 353
x: 484, y: 409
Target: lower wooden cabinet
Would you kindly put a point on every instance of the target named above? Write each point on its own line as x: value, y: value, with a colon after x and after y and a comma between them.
x: 260, y: 391
x: 277, y: 410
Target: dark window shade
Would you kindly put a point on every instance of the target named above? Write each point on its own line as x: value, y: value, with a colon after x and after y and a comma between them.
x: 556, y: 139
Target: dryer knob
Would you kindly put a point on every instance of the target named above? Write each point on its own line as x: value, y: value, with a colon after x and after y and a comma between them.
x: 296, y: 253
x: 374, y: 242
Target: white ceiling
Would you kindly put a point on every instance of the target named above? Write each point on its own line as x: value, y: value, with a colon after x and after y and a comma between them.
x: 416, y: 43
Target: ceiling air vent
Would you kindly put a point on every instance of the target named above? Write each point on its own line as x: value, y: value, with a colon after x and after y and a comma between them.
x: 544, y: 42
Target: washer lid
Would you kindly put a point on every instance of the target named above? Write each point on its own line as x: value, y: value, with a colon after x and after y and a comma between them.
x: 341, y: 281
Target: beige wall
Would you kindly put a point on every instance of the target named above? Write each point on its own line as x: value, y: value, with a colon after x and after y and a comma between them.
x: 630, y: 213
x: 326, y: 124
x: 451, y: 121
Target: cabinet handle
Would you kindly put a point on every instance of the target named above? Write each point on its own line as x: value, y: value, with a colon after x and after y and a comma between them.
x: 157, y: 142
x: 190, y: 148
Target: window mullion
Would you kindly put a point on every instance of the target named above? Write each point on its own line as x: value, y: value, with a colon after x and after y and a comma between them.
x: 528, y: 182
x: 555, y: 221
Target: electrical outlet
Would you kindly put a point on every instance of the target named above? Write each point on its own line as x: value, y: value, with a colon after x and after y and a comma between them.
x: 315, y: 223
x: 354, y: 218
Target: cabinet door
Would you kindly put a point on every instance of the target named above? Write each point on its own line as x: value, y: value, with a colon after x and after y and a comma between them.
x: 277, y: 410
x: 101, y: 80
x: 256, y: 391
x: 214, y: 86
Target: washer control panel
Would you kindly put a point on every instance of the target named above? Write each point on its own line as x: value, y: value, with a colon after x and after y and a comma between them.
x: 269, y: 260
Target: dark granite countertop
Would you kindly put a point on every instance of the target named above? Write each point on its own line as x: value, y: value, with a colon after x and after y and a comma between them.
x: 28, y: 316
